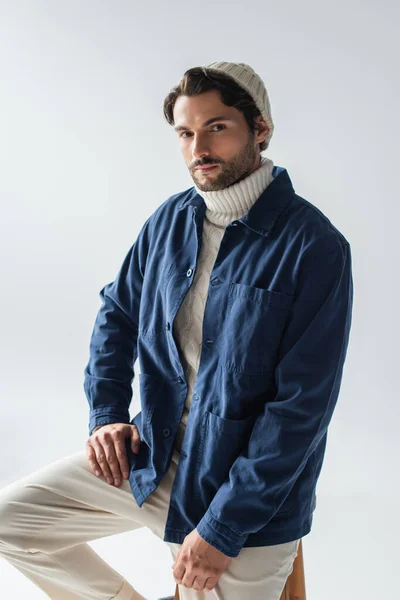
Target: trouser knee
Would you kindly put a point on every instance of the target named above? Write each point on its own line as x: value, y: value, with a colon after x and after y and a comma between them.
x: 13, y: 534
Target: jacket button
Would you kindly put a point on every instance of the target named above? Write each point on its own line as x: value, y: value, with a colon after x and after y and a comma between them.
x: 166, y: 432
x: 215, y: 281
x: 189, y: 272
x: 180, y: 380
x: 167, y: 325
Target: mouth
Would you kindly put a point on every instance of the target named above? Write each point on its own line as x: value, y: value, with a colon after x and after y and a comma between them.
x: 206, y: 168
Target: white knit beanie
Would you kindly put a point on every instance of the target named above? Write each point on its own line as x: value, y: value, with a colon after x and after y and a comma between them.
x: 247, y: 78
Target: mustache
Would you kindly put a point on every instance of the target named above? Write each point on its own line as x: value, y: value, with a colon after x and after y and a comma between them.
x: 204, y: 164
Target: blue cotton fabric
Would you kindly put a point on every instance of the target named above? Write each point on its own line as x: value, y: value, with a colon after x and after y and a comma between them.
x: 275, y: 335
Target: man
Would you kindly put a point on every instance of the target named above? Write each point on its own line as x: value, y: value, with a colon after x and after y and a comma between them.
x: 236, y: 297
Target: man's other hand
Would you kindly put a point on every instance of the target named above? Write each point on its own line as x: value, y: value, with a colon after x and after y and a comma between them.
x: 106, y: 451
x: 198, y: 564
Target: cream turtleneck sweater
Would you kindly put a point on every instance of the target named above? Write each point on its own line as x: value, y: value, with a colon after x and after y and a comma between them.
x: 223, y: 207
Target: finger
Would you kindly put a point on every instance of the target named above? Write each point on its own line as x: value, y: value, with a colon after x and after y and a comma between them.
x: 92, y: 460
x: 210, y: 583
x: 198, y: 583
x: 120, y: 453
x: 135, y: 440
x: 188, y: 579
x: 101, y: 459
x: 111, y: 457
x: 179, y: 571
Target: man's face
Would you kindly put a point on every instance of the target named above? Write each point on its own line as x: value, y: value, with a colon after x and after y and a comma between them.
x: 226, y: 142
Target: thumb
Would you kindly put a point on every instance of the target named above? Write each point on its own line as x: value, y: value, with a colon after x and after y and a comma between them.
x: 176, y: 558
x: 134, y: 439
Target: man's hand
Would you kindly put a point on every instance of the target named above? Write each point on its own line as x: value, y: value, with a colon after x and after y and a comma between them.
x: 106, y: 451
x: 198, y: 564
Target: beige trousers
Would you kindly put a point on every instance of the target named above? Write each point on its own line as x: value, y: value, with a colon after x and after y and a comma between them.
x: 47, y: 518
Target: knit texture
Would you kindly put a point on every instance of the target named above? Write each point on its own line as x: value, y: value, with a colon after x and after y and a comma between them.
x: 223, y: 207
x: 246, y: 77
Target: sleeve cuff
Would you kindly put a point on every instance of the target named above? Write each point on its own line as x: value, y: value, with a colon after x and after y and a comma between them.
x: 104, y: 418
x: 220, y: 536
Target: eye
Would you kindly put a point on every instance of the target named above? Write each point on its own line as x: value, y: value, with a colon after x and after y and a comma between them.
x: 216, y: 125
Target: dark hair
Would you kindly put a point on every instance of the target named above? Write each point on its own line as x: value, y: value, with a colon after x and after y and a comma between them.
x: 197, y: 80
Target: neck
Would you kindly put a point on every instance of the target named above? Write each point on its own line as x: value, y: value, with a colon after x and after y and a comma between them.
x: 234, y: 201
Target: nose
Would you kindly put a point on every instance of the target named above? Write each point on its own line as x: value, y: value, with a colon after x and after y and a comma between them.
x: 199, y: 149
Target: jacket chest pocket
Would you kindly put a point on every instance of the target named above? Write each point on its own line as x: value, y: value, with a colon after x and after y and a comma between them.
x: 256, y: 318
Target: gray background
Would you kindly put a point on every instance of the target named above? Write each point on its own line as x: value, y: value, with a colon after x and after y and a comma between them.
x: 86, y: 156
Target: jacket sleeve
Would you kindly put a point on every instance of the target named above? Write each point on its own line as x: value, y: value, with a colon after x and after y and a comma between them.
x: 308, y: 376
x: 109, y: 373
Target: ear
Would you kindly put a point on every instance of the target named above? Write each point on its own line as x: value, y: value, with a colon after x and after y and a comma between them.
x: 262, y: 128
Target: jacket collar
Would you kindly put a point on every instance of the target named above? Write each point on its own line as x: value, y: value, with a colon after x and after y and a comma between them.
x: 265, y: 211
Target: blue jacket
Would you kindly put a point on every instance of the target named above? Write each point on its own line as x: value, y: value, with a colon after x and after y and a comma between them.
x: 275, y: 335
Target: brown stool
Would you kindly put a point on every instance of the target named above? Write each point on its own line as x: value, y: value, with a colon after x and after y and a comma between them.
x: 295, y: 586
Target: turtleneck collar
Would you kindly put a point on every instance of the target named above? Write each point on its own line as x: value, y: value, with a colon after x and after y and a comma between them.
x: 234, y: 201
